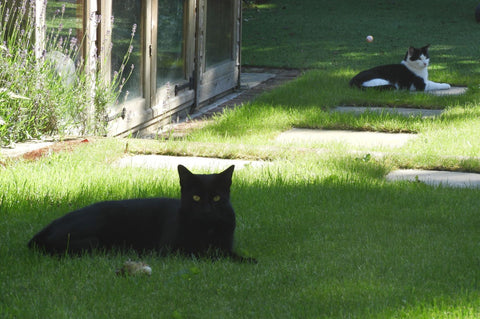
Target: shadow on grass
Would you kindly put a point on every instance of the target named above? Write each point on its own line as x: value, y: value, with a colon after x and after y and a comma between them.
x: 345, y: 248
x: 326, y: 34
x: 307, y: 101
x: 332, y: 239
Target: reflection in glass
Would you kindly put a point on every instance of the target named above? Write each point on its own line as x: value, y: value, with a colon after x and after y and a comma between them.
x: 126, y: 20
x: 64, y: 26
x: 170, y: 41
x: 219, y: 35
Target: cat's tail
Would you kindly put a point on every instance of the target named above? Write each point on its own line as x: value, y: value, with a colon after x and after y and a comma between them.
x: 356, y: 82
x: 39, y: 240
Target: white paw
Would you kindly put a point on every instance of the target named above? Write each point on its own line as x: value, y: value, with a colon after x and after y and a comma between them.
x: 445, y: 86
x: 431, y: 86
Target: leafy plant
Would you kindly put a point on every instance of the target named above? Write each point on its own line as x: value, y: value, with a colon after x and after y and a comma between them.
x: 49, y: 93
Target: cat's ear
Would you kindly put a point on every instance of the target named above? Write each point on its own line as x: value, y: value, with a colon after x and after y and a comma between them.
x: 182, y: 170
x: 228, y: 172
x: 425, y: 49
x: 409, y: 53
x: 226, y: 175
x: 184, y: 174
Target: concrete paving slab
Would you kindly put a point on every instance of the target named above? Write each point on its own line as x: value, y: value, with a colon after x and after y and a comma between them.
x: 404, y: 111
x: 450, y: 179
x: 163, y: 161
x: 355, y: 138
x: 22, y: 148
x: 250, y: 80
x: 454, y: 90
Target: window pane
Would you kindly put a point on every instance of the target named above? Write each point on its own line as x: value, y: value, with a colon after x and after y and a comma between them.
x: 219, y: 34
x: 64, y: 21
x: 126, y: 19
x: 170, y: 41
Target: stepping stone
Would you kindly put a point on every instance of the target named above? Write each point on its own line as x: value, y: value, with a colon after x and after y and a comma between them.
x: 454, y: 90
x: 424, y: 113
x: 162, y: 161
x: 354, y: 138
x: 444, y: 178
x: 22, y: 148
x: 250, y: 80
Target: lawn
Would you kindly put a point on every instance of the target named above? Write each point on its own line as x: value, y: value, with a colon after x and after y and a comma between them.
x: 332, y: 237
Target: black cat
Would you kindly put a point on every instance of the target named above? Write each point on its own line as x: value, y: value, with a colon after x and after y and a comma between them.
x: 201, y: 223
x: 410, y: 74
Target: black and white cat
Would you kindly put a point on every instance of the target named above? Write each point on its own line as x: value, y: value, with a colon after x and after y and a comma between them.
x: 410, y: 74
x: 200, y: 223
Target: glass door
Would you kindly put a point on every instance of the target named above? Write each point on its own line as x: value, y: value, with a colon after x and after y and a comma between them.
x: 172, y: 55
x: 126, y: 39
x: 122, y: 35
x: 219, y: 71
x: 183, y: 53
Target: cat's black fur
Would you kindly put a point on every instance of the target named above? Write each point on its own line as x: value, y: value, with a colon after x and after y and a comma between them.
x: 201, y: 223
x: 410, y: 74
x: 399, y: 76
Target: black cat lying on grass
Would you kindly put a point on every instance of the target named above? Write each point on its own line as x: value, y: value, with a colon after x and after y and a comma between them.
x: 200, y: 223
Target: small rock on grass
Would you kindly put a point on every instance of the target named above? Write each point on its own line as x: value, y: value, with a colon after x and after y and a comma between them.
x: 131, y: 268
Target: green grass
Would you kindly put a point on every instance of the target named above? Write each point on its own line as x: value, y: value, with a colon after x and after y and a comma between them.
x: 333, y: 238
x: 331, y: 35
x: 332, y: 50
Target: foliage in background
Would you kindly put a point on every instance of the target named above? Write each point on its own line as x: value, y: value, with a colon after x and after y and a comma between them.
x: 51, y: 94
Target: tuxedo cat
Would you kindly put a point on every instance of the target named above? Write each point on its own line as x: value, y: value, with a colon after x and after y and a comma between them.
x: 410, y: 74
x: 200, y: 223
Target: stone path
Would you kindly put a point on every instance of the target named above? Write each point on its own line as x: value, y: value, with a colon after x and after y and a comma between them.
x: 444, y: 178
x: 454, y: 90
x: 404, y: 111
x: 23, y: 148
x: 162, y: 161
x: 354, y: 138
x: 256, y: 81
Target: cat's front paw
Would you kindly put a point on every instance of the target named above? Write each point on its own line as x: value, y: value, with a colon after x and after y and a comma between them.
x: 432, y: 86
x: 249, y: 260
x: 242, y: 259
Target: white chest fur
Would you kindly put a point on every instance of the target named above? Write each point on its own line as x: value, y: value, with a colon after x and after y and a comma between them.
x: 420, y: 68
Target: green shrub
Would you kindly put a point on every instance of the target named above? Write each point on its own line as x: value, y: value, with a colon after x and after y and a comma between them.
x: 47, y: 93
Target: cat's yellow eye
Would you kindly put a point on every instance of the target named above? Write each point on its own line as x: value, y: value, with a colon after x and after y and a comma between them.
x: 216, y: 198
x: 196, y: 198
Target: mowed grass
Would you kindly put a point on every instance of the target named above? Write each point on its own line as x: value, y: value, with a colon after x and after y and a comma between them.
x: 329, y: 35
x: 333, y: 239
x: 447, y: 141
x: 331, y: 48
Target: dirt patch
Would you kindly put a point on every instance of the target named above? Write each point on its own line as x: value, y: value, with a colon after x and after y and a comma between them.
x: 55, y: 148
x: 38, y: 152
